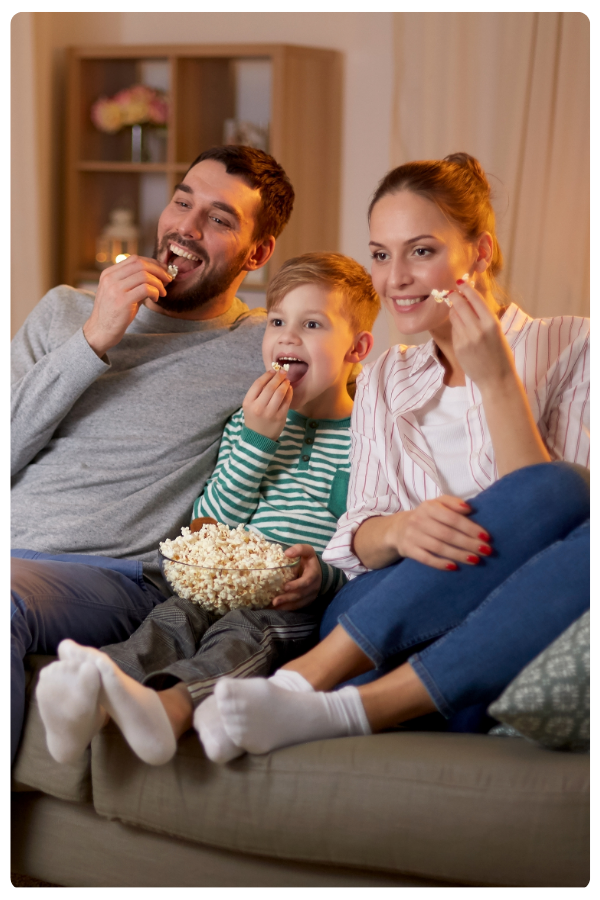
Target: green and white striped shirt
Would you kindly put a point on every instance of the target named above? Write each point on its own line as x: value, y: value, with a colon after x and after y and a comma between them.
x: 292, y: 490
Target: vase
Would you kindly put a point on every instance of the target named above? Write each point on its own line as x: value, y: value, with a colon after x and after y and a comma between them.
x: 148, y: 144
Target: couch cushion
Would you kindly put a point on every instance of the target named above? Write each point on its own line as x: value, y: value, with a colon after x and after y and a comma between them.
x: 549, y: 701
x: 34, y: 768
x: 454, y: 807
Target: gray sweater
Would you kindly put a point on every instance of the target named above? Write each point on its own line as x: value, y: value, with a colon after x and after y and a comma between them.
x: 108, y: 455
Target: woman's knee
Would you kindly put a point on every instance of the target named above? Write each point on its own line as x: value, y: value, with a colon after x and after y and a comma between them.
x: 547, y: 489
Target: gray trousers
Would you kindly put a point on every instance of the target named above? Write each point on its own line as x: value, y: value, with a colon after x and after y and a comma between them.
x: 180, y: 641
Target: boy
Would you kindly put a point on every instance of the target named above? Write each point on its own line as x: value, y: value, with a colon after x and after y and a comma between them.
x: 283, y: 468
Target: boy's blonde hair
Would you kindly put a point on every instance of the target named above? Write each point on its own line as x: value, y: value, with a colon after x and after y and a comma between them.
x: 334, y: 271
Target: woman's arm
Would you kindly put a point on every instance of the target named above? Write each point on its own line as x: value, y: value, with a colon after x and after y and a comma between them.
x: 484, y: 355
x: 375, y: 531
x: 436, y: 533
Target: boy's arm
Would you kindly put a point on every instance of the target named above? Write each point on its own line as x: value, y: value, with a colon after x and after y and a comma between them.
x: 232, y: 493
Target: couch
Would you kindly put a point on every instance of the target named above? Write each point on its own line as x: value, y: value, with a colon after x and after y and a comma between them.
x: 403, y: 808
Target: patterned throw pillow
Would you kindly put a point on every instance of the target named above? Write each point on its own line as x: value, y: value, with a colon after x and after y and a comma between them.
x: 549, y: 701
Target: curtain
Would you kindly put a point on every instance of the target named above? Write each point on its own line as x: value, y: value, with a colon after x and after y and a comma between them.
x: 512, y: 89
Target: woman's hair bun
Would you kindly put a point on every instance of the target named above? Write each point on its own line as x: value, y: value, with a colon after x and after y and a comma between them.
x: 465, y: 161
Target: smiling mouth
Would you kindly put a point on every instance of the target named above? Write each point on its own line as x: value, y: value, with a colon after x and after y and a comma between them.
x: 405, y: 303
x: 184, y: 261
x: 297, y: 368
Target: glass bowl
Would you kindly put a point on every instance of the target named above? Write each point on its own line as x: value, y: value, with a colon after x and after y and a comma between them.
x: 222, y: 589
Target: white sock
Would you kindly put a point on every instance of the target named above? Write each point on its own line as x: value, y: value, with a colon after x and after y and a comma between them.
x: 217, y: 744
x: 290, y: 680
x: 260, y: 716
x: 136, y: 709
x: 68, y: 699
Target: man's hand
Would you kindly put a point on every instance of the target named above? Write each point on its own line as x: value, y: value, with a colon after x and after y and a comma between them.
x: 121, y: 290
x: 266, y: 404
x: 304, y: 589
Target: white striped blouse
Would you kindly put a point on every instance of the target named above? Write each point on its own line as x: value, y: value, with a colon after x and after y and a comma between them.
x: 392, y: 465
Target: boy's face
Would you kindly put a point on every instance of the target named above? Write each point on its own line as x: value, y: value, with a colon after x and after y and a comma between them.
x: 308, y: 330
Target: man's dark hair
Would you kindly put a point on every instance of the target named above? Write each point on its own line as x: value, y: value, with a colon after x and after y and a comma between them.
x: 263, y: 173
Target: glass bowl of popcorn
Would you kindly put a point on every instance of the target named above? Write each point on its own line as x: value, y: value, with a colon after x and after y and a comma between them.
x: 222, y: 568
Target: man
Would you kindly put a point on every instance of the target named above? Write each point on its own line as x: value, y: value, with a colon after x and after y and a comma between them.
x: 119, y: 402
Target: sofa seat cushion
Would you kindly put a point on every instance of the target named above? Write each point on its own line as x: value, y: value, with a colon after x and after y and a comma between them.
x: 469, y: 809
x: 34, y: 768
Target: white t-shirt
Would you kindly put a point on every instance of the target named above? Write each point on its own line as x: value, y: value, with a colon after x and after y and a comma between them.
x: 443, y: 423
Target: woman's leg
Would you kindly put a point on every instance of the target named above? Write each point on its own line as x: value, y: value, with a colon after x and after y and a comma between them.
x: 387, y: 613
x: 472, y: 664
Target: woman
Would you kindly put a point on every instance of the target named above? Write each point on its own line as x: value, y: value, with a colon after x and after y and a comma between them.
x: 453, y: 599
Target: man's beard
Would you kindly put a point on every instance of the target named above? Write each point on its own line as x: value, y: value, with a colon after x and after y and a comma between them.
x: 211, y: 283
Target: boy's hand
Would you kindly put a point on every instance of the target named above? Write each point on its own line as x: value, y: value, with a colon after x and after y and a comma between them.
x: 304, y: 589
x: 267, y: 402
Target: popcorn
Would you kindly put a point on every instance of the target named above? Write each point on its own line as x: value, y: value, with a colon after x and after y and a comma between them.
x: 277, y: 367
x: 172, y: 270
x: 441, y: 296
x: 221, y: 568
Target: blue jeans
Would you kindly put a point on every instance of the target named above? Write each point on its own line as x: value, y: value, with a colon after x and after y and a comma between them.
x: 92, y: 599
x: 468, y: 633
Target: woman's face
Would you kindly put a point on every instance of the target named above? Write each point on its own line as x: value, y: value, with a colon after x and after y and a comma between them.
x: 415, y: 250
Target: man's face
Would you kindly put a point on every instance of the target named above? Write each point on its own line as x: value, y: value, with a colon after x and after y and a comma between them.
x: 206, y: 231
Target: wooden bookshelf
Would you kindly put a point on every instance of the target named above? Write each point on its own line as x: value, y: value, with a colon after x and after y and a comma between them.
x: 304, y: 136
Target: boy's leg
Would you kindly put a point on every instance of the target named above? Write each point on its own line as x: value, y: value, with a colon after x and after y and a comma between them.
x: 244, y: 643
x: 171, y: 633
x: 53, y: 599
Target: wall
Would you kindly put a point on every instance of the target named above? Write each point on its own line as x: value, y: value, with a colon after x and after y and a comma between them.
x: 366, y: 39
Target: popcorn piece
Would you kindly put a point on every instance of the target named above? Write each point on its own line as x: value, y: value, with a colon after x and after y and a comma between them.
x: 222, y: 569
x: 277, y: 367
x: 440, y: 296
x: 172, y: 270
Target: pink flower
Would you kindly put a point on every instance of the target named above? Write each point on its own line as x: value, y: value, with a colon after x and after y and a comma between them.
x: 106, y: 115
x: 134, y: 105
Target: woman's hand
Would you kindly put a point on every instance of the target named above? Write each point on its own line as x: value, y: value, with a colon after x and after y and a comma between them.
x: 483, y: 353
x: 481, y: 349
x: 267, y: 402
x: 436, y: 533
x: 304, y: 589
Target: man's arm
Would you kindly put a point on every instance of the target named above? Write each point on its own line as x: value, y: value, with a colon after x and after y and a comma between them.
x: 46, y: 379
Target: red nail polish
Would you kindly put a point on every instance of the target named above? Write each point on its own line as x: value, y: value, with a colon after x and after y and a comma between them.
x: 465, y: 505
x: 487, y: 551
x: 473, y: 559
x: 452, y: 567
x: 460, y: 280
x: 483, y: 536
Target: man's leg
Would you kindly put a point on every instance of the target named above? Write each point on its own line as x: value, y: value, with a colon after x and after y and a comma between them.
x: 53, y: 600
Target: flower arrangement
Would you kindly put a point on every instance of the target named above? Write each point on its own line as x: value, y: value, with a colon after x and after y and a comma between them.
x: 136, y: 105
